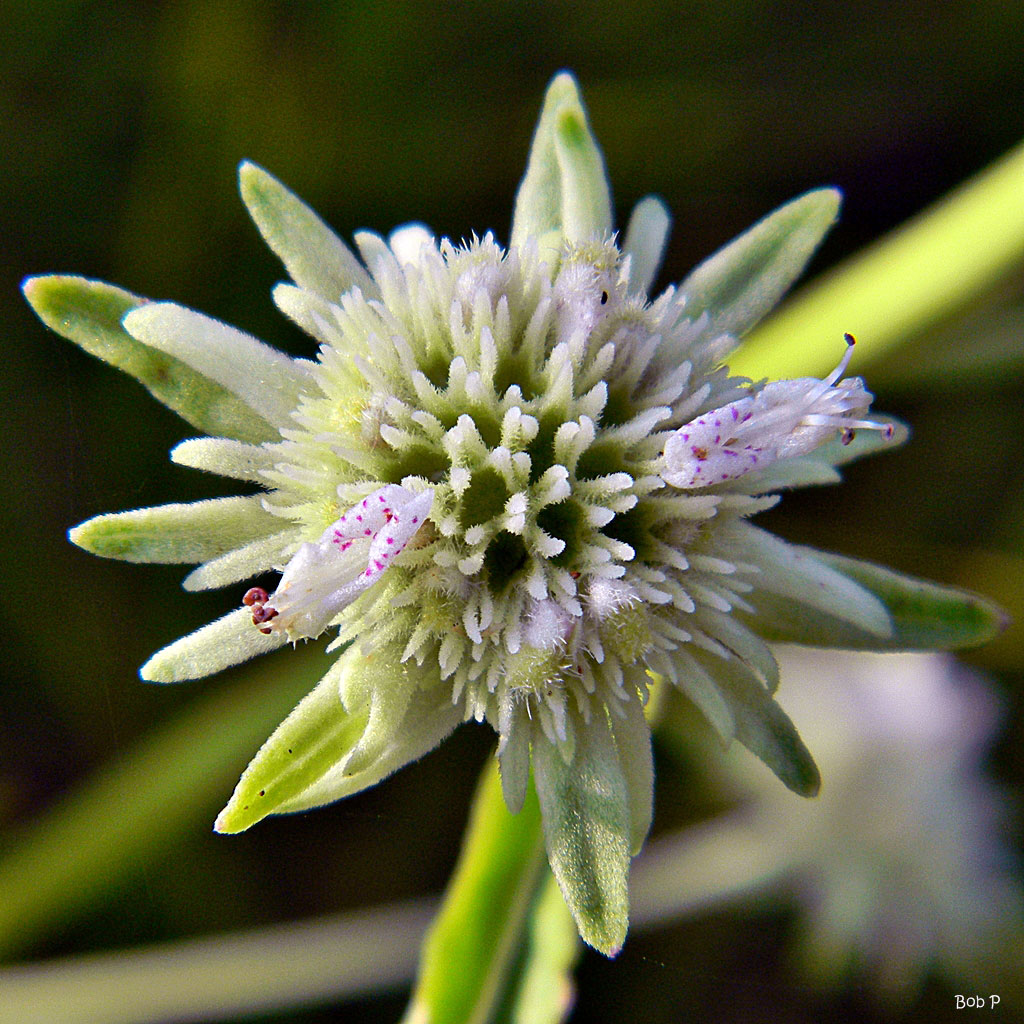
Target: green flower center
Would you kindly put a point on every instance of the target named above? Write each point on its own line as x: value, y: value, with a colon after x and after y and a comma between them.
x: 524, y: 403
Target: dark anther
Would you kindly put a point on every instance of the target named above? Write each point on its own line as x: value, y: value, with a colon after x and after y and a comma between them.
x: 263, y: 613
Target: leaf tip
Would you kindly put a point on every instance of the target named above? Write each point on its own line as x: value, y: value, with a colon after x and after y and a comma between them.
x: 92, y: 536
x: 77, y: 535
x: 242, y: 811
x: 226, y: 825
x: 607, y: 935
x: 171, y: 664
x: 820, y: 206
x: 809, y: 784
x: 157, y: 670
x: 563, y: 88
x: 250, y: 177
x: 44, y: 293
x: 830, y: 197
x: 31, y: 286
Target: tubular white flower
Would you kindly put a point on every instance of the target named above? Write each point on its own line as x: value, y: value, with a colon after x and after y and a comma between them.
x: 325, y: 577
x: 784, y: 419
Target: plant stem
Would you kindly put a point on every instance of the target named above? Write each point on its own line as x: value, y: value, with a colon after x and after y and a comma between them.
x: 921, y: 273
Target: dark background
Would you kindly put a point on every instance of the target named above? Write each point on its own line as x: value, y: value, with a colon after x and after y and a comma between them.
x: 122, y: 125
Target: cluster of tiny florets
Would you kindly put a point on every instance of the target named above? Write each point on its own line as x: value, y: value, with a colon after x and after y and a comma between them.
x: 556, y: 566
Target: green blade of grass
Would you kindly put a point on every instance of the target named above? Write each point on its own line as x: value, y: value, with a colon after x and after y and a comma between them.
x: 921, y: 273
x: 121, y: 819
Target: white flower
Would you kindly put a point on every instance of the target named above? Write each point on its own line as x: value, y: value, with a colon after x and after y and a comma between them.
x: 504, y: 421
x: 905, y: 861
x: 324, y: 578
x: 784, y: 419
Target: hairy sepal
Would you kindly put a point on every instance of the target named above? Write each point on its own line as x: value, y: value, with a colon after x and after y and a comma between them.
x: 585, y: 806
x: 364, y: 720
x: 741, y: 282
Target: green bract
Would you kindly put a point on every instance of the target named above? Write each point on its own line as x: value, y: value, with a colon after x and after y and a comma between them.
x: 513, y: 486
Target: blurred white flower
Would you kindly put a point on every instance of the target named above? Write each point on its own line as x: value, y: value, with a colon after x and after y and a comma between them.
x: 901, y: 864
x: 904, y: 861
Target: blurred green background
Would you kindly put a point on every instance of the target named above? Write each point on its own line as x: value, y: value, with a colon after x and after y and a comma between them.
x: 122, y: 126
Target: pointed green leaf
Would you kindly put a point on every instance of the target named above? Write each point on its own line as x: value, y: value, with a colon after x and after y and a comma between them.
x: 177, y: 533
x: 763, y: 727
x: 741, y: 282
x: 925, y: 615
x: 266, y: 380
x: 564, y: 195
x: 341, y: 739
x: 429, y: 718
x: 633, y: 742
x: 89, y: 313
x: 585, y: 806
x: 645, y: 241
x: 226, y: 641
x: 477, y: 935
x: 316, y: 736
x: 312, y: 253
x: 799, y: 575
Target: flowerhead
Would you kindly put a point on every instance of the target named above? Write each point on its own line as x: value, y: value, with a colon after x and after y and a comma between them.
x: 510, y: 486
x: 921, y: 879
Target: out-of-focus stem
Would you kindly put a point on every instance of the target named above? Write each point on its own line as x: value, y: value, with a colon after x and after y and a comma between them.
x: 926, y: 270
x: 224, y: 976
